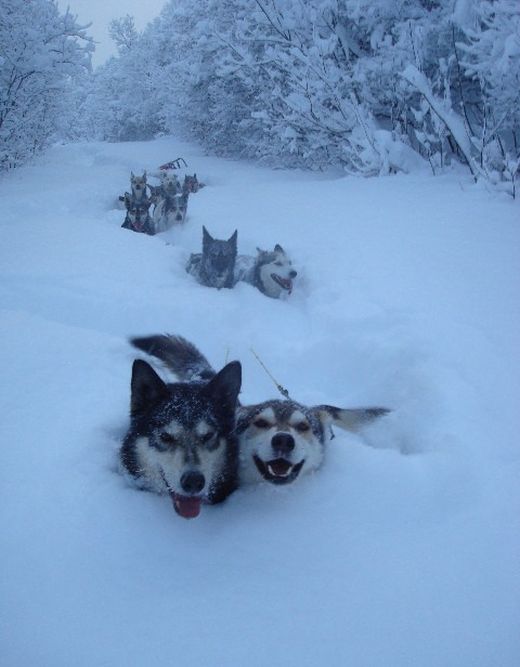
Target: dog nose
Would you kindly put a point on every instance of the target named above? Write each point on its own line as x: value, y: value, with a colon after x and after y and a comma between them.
x: 293, y: 274
x: 283, y: 443
x: 192, y: 482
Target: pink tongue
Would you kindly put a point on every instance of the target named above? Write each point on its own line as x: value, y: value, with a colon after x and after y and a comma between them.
x: 279, y: 466
x: 186, y: 506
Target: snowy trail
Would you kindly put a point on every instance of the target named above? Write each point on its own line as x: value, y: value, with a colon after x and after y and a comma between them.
x: 403, y: 550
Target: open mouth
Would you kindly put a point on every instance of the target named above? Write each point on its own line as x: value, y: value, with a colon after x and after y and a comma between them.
x: 285, y: 283
x: 278, y: 471
x: 186, y: 506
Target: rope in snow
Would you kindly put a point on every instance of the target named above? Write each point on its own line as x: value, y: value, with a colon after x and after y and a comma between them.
x: 283, y: 391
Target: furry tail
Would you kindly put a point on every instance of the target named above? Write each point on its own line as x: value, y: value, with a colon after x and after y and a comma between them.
x: 179, y: 355
x: 351, y: 419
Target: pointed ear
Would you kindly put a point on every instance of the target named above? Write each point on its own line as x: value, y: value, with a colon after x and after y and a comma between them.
x: 233, y: 238
x: 206, y: 236
x: 132, y: 174
x: 348, y: 419
x: 144, y: 174
x: 278, y: 248
x: 260, y: 251
x: 146, y: 387
x: 224, y: 388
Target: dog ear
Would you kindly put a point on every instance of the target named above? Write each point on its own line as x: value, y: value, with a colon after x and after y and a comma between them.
x: 146, y: 387
x: 278, y: 248
x: 206, y: 236
x: 132, y: 175
x: 144, y: 174
x: 233, y: 238
x: 348, y: 419
x: 224, y: 388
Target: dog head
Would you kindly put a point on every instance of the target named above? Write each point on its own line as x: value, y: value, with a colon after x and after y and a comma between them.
x: 275, y: 273
x: 177, y: 207
x: 282, y: 440
x: 191, y: 184
x: 183, y: 433
x: 137, y: 211
x: 218, y: 259
x: 170, y: 185
x: 138, y: 184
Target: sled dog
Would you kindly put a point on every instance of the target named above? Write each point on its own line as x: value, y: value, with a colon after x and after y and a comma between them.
x: 138, y: 215
x: 279, y: 440
x: 138, y: 186
x: 215, y: 266
x: 270, y: 271
x: 191, y: 184
x: 170, y: 211
x: 181, y: 440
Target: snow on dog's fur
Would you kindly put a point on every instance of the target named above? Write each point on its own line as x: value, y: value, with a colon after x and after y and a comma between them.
x: 215, y: 266
x: 181, y: 438
x: 271, y: 272
x: 279, y: 440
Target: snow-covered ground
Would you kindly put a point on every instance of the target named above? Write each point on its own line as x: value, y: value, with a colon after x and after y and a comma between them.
x: 404, y: 550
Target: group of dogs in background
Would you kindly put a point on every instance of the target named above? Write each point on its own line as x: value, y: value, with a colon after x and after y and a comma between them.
x: 218, y: 265
x: 169, y: 200
x: 192, y: 439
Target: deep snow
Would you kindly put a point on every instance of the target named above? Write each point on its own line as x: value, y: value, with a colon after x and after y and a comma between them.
x: 403, y: 550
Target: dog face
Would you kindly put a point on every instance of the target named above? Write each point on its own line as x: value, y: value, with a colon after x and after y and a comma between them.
x: 191, y: 184
x: 282, y: 440
x: 218, y: 259
x: 138, y: 184
x: 275, y: 272
x: 181, y: 438
x: 137, y: 212
x: 169, y: 183
x: 177, y: 207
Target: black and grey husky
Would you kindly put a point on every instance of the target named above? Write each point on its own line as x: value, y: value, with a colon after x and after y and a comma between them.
x: 181, y: 438
x: 215, y: 265
x: 138, y: 217
x: 271, y: 271
x: 279, y: 440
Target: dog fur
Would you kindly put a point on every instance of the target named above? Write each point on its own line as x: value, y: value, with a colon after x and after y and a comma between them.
x: 181, y: 439
x: 138, y: 217
x: 191, y: 184
x: 215, y: 266
x: 271, y: 272
x: 138, y: 187
x: 279, y: 440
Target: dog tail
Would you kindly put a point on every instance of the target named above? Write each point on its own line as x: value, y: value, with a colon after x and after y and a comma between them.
x: 178, y: 354
x: 350, y: 419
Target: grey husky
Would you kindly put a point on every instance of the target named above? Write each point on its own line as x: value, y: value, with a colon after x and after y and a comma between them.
x: 271, y: 271
x: 215, y: 266
x: 181, y: 440
x: 279, y: 440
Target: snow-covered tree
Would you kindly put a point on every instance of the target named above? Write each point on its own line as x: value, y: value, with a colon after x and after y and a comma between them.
x: 42, y: 52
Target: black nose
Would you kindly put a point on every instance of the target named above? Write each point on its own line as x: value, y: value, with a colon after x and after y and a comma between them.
x: 283, y: 443
x: 293, y: 274
x: 192, y: 482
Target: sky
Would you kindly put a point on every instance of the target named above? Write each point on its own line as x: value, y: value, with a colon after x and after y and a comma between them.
x: 101, y: 12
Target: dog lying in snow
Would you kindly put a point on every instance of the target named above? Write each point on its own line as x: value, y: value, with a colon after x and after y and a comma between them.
x: 279, y: 440
x: 219, y: 266
x: 171, y: 203
x: 215, y: 265
x: 138, y: 215
x: 181, y: 439
x: 271, y: 272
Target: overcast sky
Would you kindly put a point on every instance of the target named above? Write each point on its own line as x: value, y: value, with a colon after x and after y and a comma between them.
x: 101, y: 12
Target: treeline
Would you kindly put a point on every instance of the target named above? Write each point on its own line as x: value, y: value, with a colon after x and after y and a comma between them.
x: 372, y: 86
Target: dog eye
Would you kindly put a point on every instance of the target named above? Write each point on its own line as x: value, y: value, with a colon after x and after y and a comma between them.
x: 278, y: 263
x: 302, y: 427
x: 207, y: 436
x: 261, y: 423
x: 167, y: 438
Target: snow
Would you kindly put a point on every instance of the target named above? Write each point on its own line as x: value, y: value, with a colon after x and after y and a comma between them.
x: 402, y: 550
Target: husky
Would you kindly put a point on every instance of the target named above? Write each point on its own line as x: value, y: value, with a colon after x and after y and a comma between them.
x: 138, y: 186
x: 191, y: 184
x: 181, y: 440
x: 270, y: 271
x: 279, y: 440
x: 170, y: 211
x: 215, y: 266
x: 138, y: 215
